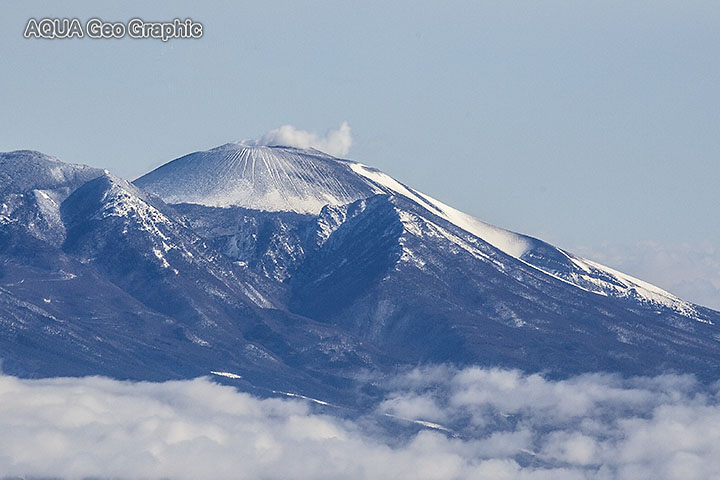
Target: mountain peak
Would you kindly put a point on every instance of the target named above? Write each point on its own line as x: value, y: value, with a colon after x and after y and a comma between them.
x: 24, y: 170
x: 253, y: 146
x: 270, y: 178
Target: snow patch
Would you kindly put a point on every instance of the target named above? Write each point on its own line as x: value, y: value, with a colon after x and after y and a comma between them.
x: 297, y: 395
x: 226, y: 374
x: 424, y: 423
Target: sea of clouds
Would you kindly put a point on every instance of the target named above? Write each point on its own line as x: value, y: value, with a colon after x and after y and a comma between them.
x: 501, y: 424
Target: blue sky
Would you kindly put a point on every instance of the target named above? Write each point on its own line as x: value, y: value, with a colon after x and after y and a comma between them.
x: 593, y: 125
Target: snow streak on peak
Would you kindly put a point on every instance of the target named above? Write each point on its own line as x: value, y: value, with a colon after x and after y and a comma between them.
x: 258, y: 177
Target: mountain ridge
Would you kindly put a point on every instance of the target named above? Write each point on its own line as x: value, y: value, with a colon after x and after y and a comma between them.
x: 126, y: 283
x: 574, y: 269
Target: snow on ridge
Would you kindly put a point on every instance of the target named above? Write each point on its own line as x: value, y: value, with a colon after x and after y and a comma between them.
x: 516, y: 245
x: 123, y: 199
x: 645, y: 290
x: 303, y: 397
x: 422, y: 423
x: 226, y: 374
x: 511, y: 243
x: 46, y: 177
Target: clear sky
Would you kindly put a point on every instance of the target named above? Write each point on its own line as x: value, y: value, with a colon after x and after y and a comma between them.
x: 594, y: 125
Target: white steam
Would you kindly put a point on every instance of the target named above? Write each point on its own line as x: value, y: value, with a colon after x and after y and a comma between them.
x: 335, y: 142
x: 508, y: 426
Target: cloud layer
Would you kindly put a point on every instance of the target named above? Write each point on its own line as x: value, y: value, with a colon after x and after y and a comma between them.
x: 335, y: 142
x: 506, y: 425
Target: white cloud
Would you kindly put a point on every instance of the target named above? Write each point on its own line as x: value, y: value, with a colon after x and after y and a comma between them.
x: 335, y: 142
x: 690, y: 271
x: 509, y: 426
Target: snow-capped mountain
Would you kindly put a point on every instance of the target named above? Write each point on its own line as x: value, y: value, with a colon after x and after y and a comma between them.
x: 277, y: 179
x: 273, y: 179
x: 292, y: 270
x: 32, y: 187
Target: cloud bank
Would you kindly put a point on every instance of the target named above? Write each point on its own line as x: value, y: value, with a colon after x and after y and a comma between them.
x: 507, y: 425
x: 335, y: 142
